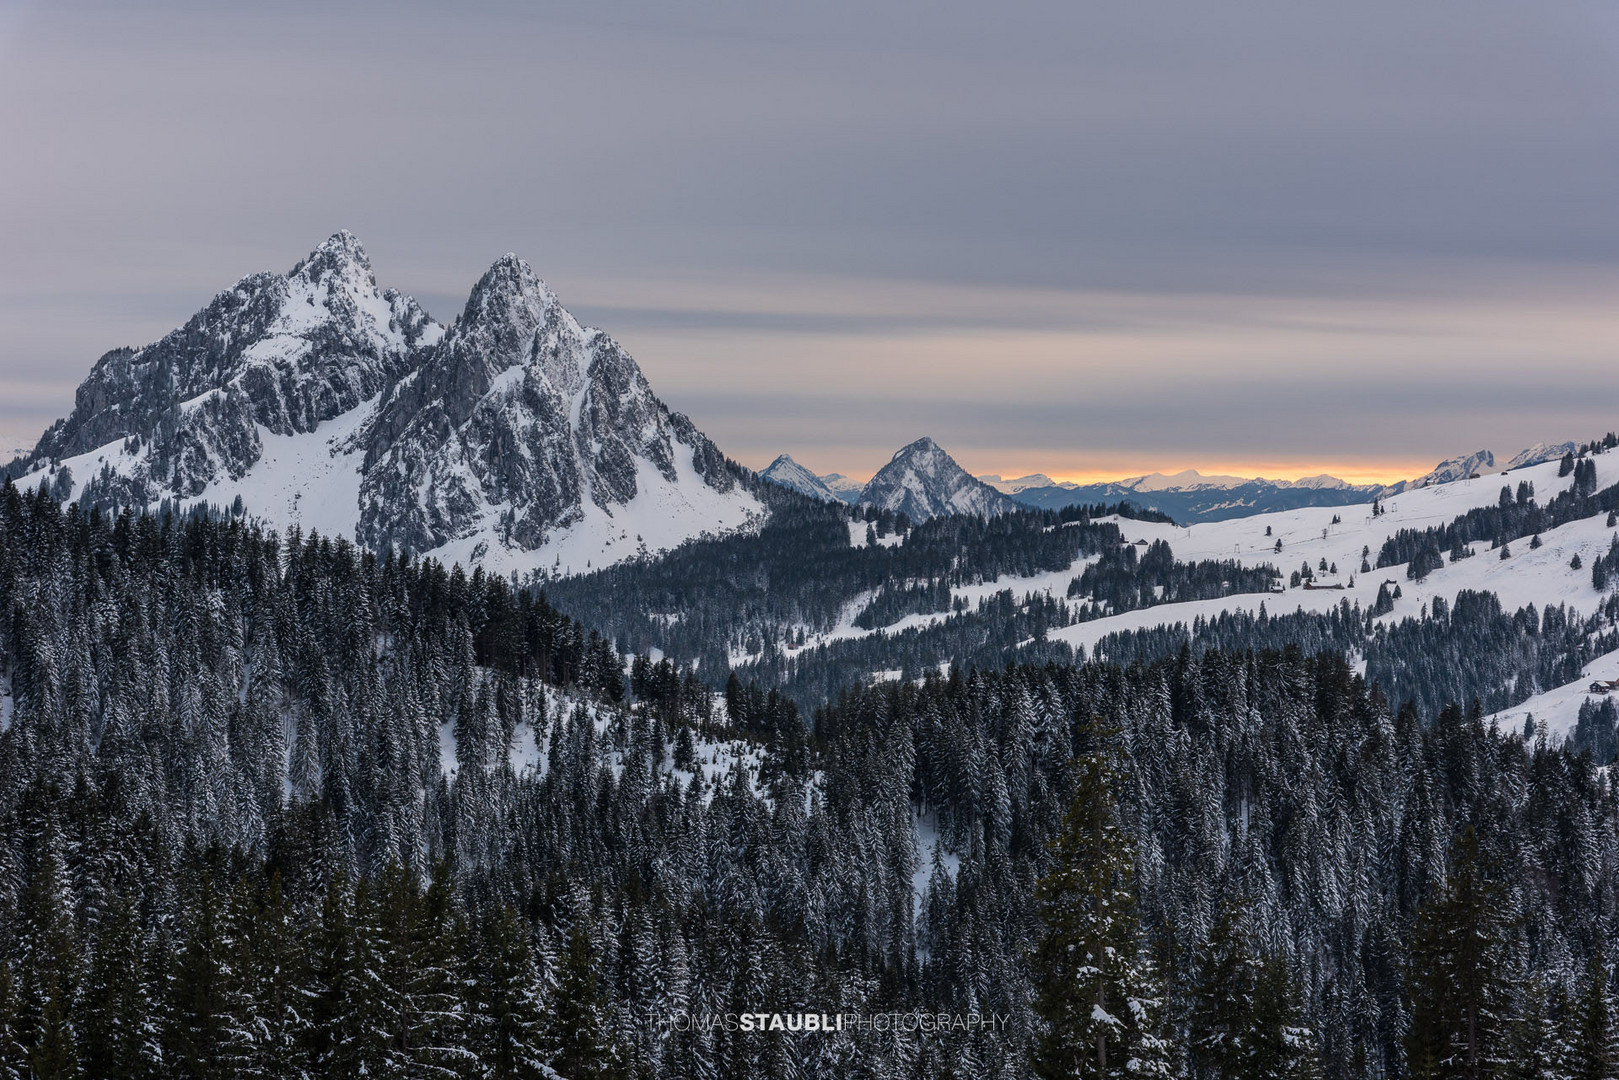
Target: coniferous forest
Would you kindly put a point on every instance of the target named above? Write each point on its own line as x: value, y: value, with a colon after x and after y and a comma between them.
x: 271, y: 806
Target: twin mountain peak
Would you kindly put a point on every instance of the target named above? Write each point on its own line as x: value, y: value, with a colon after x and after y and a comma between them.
x: 515, y: 437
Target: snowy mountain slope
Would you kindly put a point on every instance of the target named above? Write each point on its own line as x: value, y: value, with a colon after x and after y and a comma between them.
x: 843, y: 487
x: 1559, y: 708
x: 790, y: 474
x: 922, y: 481
x: 517, y: 439
x: 1053, y: 583
x: 1529, y: 576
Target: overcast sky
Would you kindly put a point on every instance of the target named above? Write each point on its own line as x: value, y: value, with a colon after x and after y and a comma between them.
x: 1089, y: 239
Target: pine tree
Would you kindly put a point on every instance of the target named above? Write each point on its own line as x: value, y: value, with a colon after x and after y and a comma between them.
x: 579, y: 1036
x: 434, y: 1006
x: 1246, y: 1019
x: 13, y: 1056
x: 1538, y: 1045
x: 200, y: 993
x: 1594, y: 1053
x: 374, y: 982
x: 1284, y: 1046
x: 1223, y: 1005
x: 271, y: 962
x: 1456, y: 982
x: 510, y: 1026
x: 49, y: 966
x: 116, y: 1004
x: 1097, y: 993
x: 55, y: 1055
x: 328, y: 1043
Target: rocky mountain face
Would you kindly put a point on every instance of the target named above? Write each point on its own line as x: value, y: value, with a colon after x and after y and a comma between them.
x: 790, y: 474
x: 517, y: 436
x: 281, y: 353
x: 520, y: 419
x: 922, y: 481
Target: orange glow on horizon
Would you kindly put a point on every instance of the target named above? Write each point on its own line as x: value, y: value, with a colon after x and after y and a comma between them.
x: 1359, y: 472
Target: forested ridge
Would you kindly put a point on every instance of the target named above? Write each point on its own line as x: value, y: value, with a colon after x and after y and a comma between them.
x: 273, y: 807
x: 755, y: 603
x: 763, y: 605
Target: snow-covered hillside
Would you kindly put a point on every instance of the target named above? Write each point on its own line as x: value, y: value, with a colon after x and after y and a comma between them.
x: 1541, y: 576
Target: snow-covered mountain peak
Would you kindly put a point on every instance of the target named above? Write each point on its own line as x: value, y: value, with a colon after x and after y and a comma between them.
x: 1538, y: 453
x: 844, y: 488
x: 510, y: 292
x: 923, y: 481
x: 923, y: 448
x: 340, y: 256
x: 335, y: 291
x: 523, y: 427
x: 513, y: 318
x: 790, y: 474
x: 1321, y: 482
x: 274, y: 354
x: 1187, y: 478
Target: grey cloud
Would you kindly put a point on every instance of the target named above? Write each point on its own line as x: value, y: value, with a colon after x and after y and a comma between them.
x: 158, y: 151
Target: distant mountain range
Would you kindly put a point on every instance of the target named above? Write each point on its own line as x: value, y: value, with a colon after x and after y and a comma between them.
x: 1190, y: 496
x: 1186, y: 496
